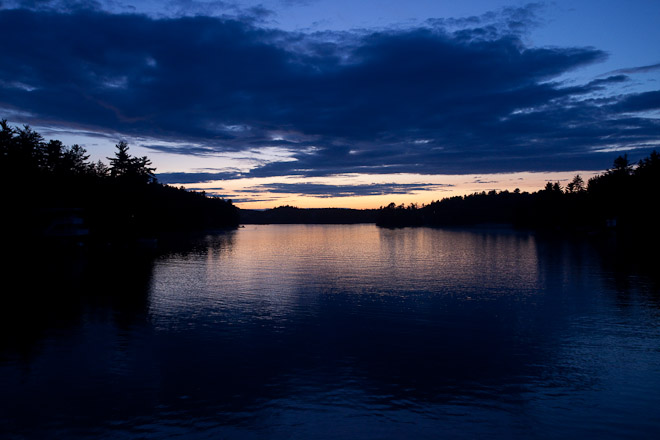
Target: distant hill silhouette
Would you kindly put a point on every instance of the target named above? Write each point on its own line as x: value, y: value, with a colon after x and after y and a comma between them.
x: 293, y: 215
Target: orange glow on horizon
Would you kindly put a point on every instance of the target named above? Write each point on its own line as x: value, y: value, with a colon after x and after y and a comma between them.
x: 246, y: 193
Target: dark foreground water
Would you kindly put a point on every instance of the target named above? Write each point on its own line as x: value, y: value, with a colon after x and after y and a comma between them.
x: 324, y: 332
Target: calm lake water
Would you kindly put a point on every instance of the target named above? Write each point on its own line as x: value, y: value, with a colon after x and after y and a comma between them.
x: 324, y: 332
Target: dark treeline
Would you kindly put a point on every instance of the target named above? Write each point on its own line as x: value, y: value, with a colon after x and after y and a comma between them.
x: 293, y: 215
x: 53, y: 190
x: 623, y: 199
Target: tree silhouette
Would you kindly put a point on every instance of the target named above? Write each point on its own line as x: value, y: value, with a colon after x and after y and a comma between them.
x: 120, y: 165
x: 75, y: 159
x: 649, y: 166
x: 127, y: 167
x: 99, y: 169
x: 576, y: 185
x: 622, y: 166
x: 118, y: 203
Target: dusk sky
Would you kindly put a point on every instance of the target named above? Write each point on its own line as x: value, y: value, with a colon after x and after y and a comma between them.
x: 334, y: 103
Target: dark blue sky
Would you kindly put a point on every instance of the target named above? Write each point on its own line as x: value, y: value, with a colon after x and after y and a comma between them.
x: 235, y: 91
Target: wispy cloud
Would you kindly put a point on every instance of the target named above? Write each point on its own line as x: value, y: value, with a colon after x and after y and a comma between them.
x: 328, y: 190
x: 639, y: 69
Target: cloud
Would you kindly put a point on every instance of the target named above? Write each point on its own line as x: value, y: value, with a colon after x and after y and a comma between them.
x: 425, y: 100
x: 54, y: 5
x: 518, y: 20
x: 640, y: 102
x: 326, y: 190
x: 638, y: 69
x: 602, y: 82
x: 187, y: 178
x: 185, y: 149
x: 166, y: 8
x: 258, y: 200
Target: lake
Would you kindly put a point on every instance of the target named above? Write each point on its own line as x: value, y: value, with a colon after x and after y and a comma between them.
x: 324, y: 332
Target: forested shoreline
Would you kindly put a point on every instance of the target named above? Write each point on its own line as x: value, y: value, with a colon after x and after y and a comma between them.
x: 622, y: 200
x: 53, y: 192
x: 46, y: 183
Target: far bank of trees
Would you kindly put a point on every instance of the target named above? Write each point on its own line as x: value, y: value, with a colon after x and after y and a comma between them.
x: 119, y: 201
x: 624, y: 198
x: 294, y: 215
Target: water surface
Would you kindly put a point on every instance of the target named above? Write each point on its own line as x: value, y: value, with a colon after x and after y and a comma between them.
x: 333, y: 332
